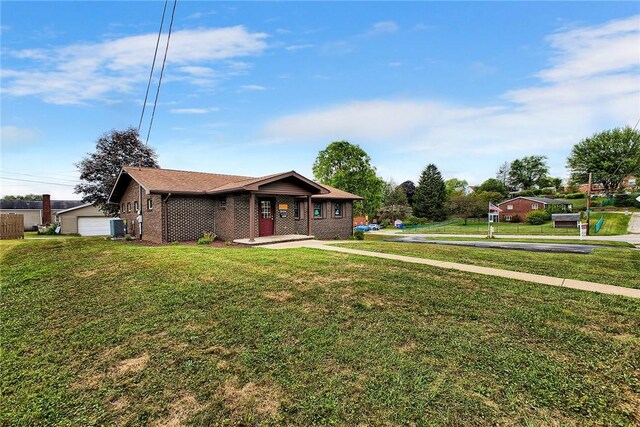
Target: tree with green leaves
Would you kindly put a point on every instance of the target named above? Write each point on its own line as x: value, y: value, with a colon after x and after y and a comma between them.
x: 409, y: 189
x: 610, y: 156
x: 467, y: 206
x: 493, y: 185
x: 455, y: 185
x: 30, y: 197
x: 430, y: 197
x: 393, y: 195
x: 528, y: 172
x: 99, y: 170
x: 348, y: 167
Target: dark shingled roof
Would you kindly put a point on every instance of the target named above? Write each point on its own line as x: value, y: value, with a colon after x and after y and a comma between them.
x: 37, y: 204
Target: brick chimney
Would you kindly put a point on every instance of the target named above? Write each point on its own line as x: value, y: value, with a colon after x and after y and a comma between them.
x: 46, y: 209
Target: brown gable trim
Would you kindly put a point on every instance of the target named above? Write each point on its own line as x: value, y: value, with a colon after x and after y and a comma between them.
x: 254, y: 184
x: 121, y: 186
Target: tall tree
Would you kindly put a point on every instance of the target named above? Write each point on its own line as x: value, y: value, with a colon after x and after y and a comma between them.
x: 409, y: 189
x: 527, y: 172
x: 493, y: 185
x: 430, y: 197
x: 455, y: 185
x: 467, y: 206
x: 348, y: 167
x: 99, y: 170
x: 610, y: 156
x: 503, y: 173
x: 393, y: 195
x: 30, y: 197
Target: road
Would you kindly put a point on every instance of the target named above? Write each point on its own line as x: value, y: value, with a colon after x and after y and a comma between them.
x: 492, y: 244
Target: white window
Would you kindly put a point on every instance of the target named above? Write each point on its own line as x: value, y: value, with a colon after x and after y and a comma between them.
x: 534, y: 206
x: 509, y: 207
x: 149, y: 204
x: 632, y: 182
x: 507, y: 218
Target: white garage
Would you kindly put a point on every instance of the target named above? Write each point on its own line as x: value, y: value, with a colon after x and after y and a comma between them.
x: 94, y: 226
x: 86, y: 220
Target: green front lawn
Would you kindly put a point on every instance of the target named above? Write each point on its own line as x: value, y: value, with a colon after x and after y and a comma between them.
x: 617, y: 266
x: 381, y: 236
x: 474, y: 227
x: 96, y: 332
x: 614, y: 224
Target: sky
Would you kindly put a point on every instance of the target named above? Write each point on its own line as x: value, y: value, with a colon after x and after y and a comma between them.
x: 254, y: 88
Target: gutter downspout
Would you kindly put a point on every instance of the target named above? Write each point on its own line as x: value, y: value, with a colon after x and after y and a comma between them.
x: 140, y: 222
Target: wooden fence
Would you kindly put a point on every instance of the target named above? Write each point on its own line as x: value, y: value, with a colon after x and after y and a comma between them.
x: 11, y: 226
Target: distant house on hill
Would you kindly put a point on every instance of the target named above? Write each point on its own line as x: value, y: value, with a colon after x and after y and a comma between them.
x: 37, y: 212
x: 629, y: 183
x: 522, y: 205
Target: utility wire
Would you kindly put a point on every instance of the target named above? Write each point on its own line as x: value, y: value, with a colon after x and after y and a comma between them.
x: 39, y: 176
x: 164, y: 61
x: 153, y: 65
x: 38, y: 182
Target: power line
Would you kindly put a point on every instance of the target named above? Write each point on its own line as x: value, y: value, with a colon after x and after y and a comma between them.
x: 153, y: 64
x: 164, y: 61
x: 38, y: 182
x: 39, y: 176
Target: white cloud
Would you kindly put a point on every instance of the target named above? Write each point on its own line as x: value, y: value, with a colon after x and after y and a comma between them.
x: 588, y: 87
x: 296, y: 47
x: 253, y: 87
x: 193, y: 110
x: 383, y: 27
x: 16, y: 136
x: 87, y: 72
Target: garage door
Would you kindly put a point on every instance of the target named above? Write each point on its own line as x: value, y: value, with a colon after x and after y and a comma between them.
x: 93, y: 226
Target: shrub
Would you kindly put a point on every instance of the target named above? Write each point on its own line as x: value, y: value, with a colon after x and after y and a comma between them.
x: 385, y: 223
x: 207, y: 237
x: 575, y: 196
x: 358, y: 235
x: 175, y: 243
x: 536, y: 217
x: 625, y: 200
x: 516, y: 218
x: 414, y: 220
x: 128, y: 237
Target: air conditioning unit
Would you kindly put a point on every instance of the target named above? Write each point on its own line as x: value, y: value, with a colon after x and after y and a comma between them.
x: 118, y: 227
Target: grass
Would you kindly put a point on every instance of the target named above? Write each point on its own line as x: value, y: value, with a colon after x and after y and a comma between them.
x: 458, y: 227
x: 614, y: 224
x: 97, y: 332
x: 617, y: 266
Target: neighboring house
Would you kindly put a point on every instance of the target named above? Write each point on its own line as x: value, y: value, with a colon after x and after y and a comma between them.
x: 37, y: 212
x: 522, y: 205
x: 163, y: 205
x: 629, y: 183
x: 565, y: 220
x: 86, y: 220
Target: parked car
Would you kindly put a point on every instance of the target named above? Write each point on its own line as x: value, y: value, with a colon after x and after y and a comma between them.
x: 362, y: 227
x: 375, y: 227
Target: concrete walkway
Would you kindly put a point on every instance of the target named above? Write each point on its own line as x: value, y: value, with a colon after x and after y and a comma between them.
x: 634, y: 224
x: 528, y: 277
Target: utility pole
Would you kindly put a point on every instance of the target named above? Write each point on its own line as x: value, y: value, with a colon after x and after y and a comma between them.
x: 589, y: 201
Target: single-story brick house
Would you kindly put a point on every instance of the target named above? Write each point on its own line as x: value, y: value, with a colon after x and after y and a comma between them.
x: 164, y: 205
x: 522, y: 205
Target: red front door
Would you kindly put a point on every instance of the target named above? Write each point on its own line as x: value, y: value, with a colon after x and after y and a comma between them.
x: 265, y: 222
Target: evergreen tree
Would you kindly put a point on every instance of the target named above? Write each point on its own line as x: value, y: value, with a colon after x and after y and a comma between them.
x: 429, y: 200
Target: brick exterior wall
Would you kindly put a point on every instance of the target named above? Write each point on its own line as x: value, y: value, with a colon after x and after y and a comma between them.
x: 225, y: 217
x: 184, y: 218
x: 189, y: 217
x: 521, y: 207
x: 152, y: 229
x: 329, y: 226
